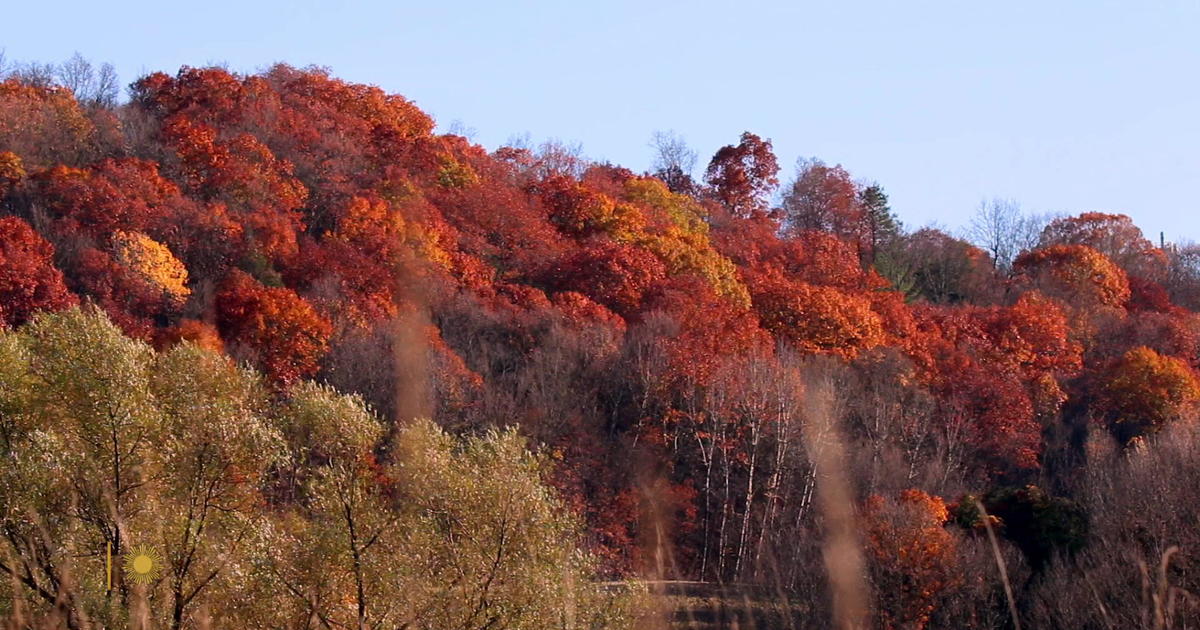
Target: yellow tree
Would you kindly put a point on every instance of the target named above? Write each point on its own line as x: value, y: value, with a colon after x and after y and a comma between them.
x: 154, y: 262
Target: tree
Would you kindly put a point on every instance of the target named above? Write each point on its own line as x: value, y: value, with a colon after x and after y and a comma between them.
x: 673, y: 162
x: 29, y: 282
x: 1002, y: 230
x: 815, y: 319
x: 743, y: 175
x: 271, y: 326
x: 94, y: 88
x: 153, y: 262
x: 1143, y: 391
x: 615, y: 275
x: 81, y: 428
x: 213, y: 449
x: 913, y: 556
x: 1182, y: 280
x: 43, y: 124
x: 944, y: 269
x: 881, y: 227
x: 826, y: 199
x: 1039, y: 523
x: 1078, y: 274
x: 12, y: 171
x: 1113, y: 235
x: 270, y: 509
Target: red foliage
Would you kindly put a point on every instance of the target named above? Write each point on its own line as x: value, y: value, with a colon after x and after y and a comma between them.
x: 273, y: 327
x: 242, y: 173
x: 342, y: 195
x: 613, y: 274
x: 1175, y: 334
x: 125, y: 194
x: 1147, y: 295
x: 578, y: 307
x: 129, y: 300
x: 743, y: 175
x: 710, y: 330
x: 822, y: 258
x: 29, y: 282
x: 825, y: 198
x: 575, y: 209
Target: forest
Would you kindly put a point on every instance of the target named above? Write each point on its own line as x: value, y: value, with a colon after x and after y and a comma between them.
x: 329, y: 368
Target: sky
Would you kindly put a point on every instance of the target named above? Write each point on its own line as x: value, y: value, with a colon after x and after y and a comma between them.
x: 1065, y: 106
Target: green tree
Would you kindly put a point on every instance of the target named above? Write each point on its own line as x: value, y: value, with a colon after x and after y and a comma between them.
x: 880, y: 225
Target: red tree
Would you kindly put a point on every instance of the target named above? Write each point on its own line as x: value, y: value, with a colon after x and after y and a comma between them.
x: 273, y: 327
x: 29, y: 282
x: 742, y: 175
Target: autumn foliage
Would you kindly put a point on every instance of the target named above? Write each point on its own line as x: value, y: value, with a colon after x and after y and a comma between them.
x: 1143, y: 390
x: 660, y: 342
x: 273, y: 326
x: 914, y: 555
x: 29, y: 282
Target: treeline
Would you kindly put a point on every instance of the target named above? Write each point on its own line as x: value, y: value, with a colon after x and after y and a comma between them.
x: 683, y: 352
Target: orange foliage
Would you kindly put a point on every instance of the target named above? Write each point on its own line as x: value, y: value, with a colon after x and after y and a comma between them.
x: 273, y: 327
x: 1144, y: 390
x: 12, y: 171
x: 1034, y: 334
x: 913, y: 556
x: 43, y: 125
x: 1078, y: 274
x: 815, y: 318
x: 153, y: 262
x: 1113, y: 235
x: 577, y: 307
x: 200, y: 333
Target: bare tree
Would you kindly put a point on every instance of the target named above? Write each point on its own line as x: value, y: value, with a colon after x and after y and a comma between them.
x: 96, y: 88
x: 93, y: 87
x: 75, y: 74
x: 556, y: 157
x: 674, y: 160
x: 1001, y: 228
x: 993, y: 228
x: 107, y: 86
x: 460, y: 128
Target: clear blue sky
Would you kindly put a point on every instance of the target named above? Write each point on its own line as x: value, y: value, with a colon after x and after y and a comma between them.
x: 1065, y: 106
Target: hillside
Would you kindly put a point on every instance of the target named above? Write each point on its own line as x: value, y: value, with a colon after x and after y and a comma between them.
x: 681, y: 379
